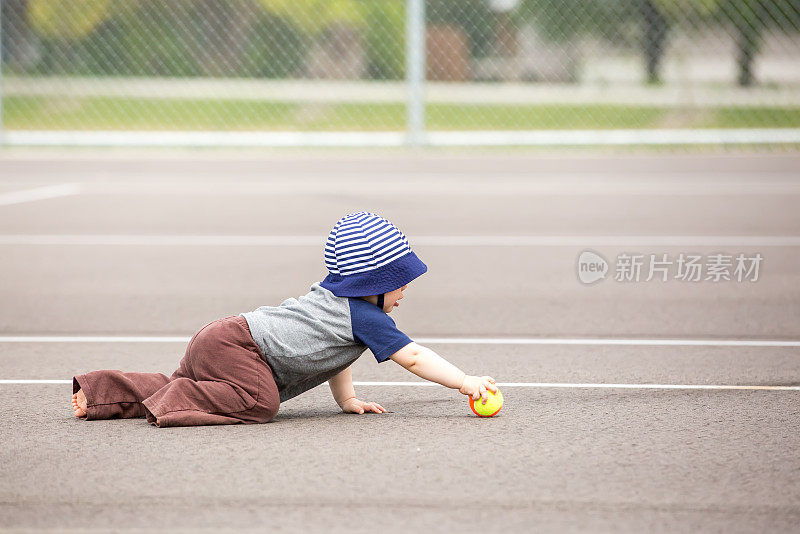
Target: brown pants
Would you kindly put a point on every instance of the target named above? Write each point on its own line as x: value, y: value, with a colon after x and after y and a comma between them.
x: 222, y: 379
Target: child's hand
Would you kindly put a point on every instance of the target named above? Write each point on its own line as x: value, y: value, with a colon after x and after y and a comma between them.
x: 477, y: 386
x: 353, y: 405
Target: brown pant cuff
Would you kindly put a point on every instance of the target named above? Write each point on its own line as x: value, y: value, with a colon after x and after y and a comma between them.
x: 148, y: 412
x: 86, y: 386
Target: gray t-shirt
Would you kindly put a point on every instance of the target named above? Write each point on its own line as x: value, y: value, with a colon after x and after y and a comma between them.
x: 309, y: 339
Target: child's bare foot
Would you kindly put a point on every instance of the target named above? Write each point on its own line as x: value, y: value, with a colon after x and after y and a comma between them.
x: 79, y: 403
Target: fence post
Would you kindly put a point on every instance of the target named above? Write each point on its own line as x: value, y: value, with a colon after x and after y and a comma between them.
x: 415, y: 71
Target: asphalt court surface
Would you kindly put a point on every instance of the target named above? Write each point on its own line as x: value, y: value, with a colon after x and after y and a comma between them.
x: 555, y: 459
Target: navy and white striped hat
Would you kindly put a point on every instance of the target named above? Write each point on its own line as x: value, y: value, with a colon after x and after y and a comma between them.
x: 367, y: 255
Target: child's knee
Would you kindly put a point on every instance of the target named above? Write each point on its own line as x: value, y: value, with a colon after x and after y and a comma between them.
x: 267, y: 408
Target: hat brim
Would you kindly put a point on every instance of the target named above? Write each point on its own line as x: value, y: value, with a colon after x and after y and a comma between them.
x: 382, y: 280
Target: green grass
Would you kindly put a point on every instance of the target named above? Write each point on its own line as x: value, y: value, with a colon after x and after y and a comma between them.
x: 97, y: 113
x: 760, y: 117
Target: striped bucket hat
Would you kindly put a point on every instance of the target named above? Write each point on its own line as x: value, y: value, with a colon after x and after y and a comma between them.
x: 367, y: 255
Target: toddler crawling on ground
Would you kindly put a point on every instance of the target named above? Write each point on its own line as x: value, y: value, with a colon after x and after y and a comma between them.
x: 240, y: 368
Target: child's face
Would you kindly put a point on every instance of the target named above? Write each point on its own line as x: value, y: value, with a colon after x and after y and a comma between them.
x: 392, y: 299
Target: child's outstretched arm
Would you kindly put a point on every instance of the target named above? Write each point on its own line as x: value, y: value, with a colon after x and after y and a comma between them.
x: 345, y: 395
x: 426, y: 364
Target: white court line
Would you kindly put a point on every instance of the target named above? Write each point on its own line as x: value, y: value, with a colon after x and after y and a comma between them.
x: 39, y: 193
x: 617, y: 342
x: 432, y: 240
x: 35, y: 381
x: 595, y: 386
x: 563, y: 385
x: 446, y: 340
x: 436, y: 185
x: 94, y: 339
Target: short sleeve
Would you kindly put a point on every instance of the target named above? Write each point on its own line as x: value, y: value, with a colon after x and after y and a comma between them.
x: 374, y: 328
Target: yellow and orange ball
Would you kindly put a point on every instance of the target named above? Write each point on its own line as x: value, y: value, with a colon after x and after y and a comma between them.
x: 492, y: 406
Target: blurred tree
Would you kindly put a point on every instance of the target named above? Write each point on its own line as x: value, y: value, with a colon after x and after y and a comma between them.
x: 682, y: 10
x: 275, y: 48
x: 149, y: 38
x: 654, y: 36
x: 61, y: 25
x: 567, y: 23
x: 381, y: 21
x: 386, y: 30
x: 171, y: 38
x: 67, y: 19
x: 315, y: 16
x: 567, y: 20
x: 337, y: 28
x: 19, y: 42
x: 748, y: 19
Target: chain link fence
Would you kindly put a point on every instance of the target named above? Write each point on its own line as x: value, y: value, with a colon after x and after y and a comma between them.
x: 294, y: 72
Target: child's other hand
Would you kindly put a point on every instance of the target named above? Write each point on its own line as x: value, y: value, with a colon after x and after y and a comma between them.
x: 353, y: 405
x: 477, y: 387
